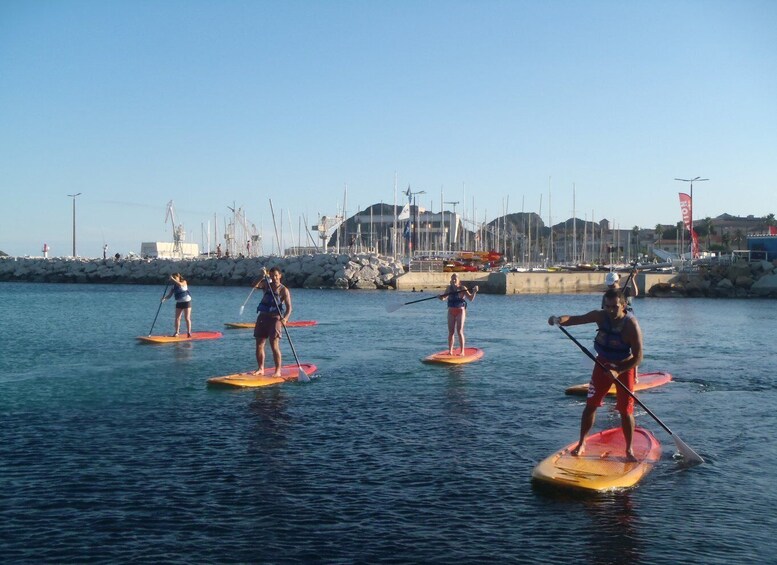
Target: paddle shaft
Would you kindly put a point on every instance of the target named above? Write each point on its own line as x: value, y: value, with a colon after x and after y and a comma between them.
x: 278, y: 306
x: 158, y: 309
x: 631, y: 274
x: 431, y: 297
x: 617, y: 381
x: 253, y: 288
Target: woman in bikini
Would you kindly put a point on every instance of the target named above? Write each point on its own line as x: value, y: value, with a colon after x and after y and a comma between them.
x: 457, y: 295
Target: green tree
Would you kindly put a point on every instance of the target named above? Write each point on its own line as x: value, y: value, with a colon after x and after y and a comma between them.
x: 726, y: 239
x: 659, y: 232
x: 738, y: 237
x: 710, y: 229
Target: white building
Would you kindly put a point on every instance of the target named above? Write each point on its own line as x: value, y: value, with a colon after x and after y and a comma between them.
x: 167, y: 250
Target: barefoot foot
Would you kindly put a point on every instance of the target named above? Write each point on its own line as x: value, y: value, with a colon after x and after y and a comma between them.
x: 579, y: 450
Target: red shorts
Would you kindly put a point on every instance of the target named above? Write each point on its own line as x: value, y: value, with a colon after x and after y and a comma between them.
x: 455, y: 312
x: 601, y: 381
x: 268, y: 326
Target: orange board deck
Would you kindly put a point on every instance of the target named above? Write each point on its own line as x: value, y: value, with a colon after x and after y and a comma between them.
x: 292, y: 324
x: 158, y: 339
x: 443, y: 357
x: 645, y: 381
x: 248, y: 379
x: 603, y: 464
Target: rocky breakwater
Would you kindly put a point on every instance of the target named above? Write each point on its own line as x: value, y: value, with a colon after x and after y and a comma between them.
x: 736, y: 280
x: 357, y: 271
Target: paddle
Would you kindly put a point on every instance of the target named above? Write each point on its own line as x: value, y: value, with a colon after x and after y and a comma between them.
x: 301, y: 376
x: 398, y: 305
x: 689, y: 454
x: 158, y: 309
x: 253, y: 288
x: 633, y: 271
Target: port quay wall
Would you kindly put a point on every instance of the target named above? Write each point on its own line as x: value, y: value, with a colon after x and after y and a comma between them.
x: 559, y: 282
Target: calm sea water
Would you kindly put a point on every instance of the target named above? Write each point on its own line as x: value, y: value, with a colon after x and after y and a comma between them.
x: 113, y: 451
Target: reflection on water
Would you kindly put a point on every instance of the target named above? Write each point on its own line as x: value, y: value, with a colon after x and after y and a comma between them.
x: 269, y: 411
x: 183, y: 351
x: 457, y: 405
x: 612, y: 535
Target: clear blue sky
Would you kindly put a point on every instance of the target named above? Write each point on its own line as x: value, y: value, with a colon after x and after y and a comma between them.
x: 210, y: 103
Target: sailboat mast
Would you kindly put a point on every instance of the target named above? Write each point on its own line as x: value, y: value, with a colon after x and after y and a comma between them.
x: 394, y: 232
x: 550, y: 225
x: 574, y: 228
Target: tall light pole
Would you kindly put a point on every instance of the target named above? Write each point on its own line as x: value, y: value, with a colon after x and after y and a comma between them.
x: 451, y: 237
x: 73, y: 196
x: 414, y: 234
x: 691, y: 181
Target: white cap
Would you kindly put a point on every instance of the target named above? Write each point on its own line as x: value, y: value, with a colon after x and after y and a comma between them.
x: 611, y: 279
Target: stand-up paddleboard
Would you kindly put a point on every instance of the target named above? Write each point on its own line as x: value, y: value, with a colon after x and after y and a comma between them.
x: 294, y: 324
x: 645, y: 381
x: 470, y: 354
x: 249, y: 379
x: 603, y: 464
x: 179, y: 338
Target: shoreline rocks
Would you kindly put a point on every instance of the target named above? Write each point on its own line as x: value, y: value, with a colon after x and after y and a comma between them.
x: 356, y: 271
x: 736, y: 280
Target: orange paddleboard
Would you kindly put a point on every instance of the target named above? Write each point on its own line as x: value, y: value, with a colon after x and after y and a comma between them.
x: 249, y: 379
x: 470, y: 354
x: 603, y: 465
x: 294, y: 324
x: 157, y: 339
x: 646, y: 381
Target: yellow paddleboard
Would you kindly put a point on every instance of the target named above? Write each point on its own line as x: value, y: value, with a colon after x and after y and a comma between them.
x: 470, y: 354
x: 603, y: 465
x: 157, y: 339
x: 294, y: 324
x: 249, y: 379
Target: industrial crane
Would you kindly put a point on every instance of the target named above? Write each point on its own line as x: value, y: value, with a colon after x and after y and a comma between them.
x: 178, y: 232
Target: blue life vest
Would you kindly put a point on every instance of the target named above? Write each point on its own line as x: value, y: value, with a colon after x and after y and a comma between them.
x: 455, y: 300
x: 180, y: 294
x: 268, y: 303
x: 609, y: 341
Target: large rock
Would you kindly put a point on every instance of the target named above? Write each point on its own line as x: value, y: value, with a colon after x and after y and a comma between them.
x: 765, y: 286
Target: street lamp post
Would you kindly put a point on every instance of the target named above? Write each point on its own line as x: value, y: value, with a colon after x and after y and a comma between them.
x: 73, y: 196
x: 414, y: 234
x: 691, y: 181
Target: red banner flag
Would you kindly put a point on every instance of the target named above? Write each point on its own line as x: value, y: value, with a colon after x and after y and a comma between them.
x: 685, y: 209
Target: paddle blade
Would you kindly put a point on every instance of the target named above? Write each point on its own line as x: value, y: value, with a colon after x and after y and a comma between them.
x: 690, y: 456
x: 302, y: 377
x: 241, y: 310
x: 393, y: 307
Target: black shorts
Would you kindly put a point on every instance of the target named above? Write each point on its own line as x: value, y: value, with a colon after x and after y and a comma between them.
x: 268, y: 326
x: 183, y: 305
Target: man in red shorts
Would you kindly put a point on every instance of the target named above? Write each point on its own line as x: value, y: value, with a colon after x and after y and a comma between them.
x: 274, y: 311
x: 619, y: 346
